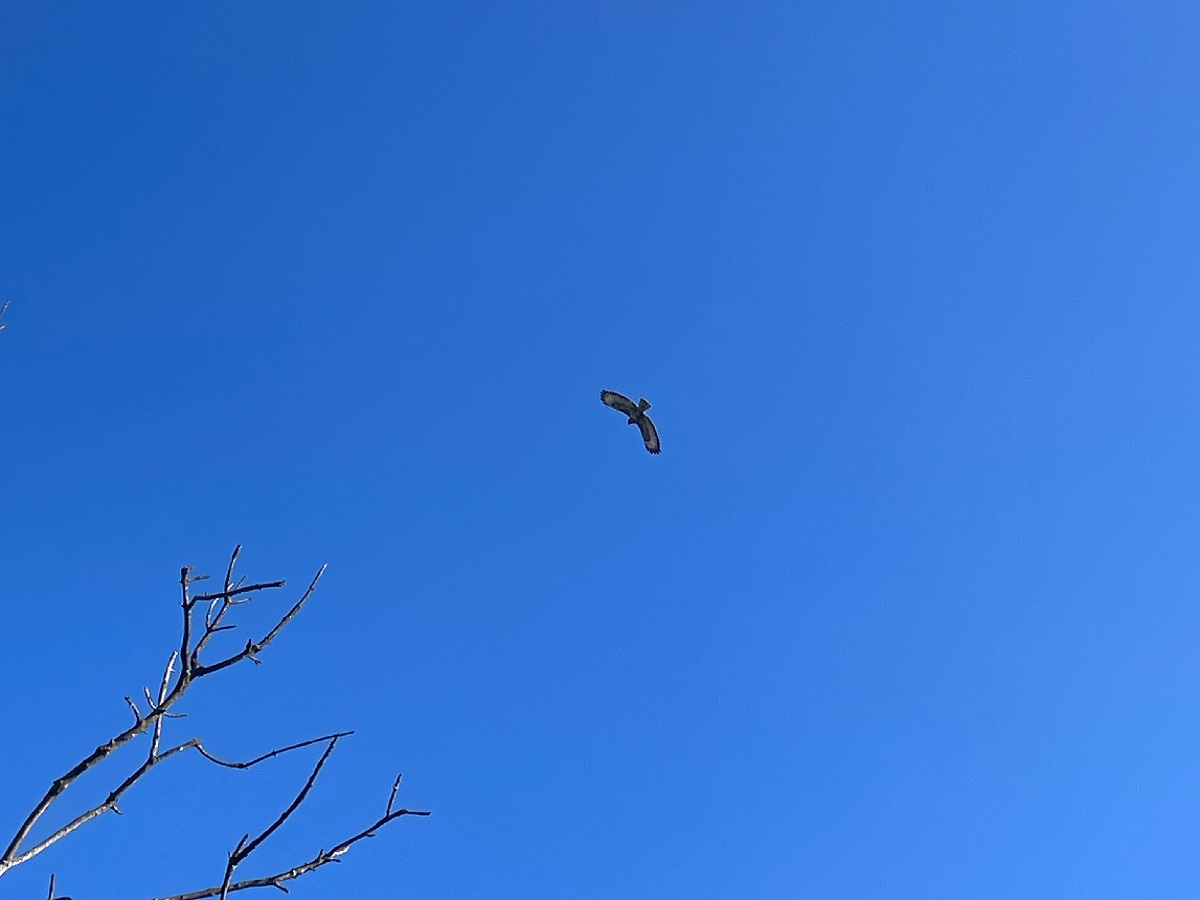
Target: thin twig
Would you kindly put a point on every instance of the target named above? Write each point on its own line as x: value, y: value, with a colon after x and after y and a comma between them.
x: 253, y: 647
x: 245, y: 848
x: 392, y: 795
x: 185, y: 671
x: 137, y: 716
x: 236, y: 592
x: 322, y: 858
x: 272, y: 754
x: 294, y: 805
x: 50, y: 893
x: 156, y: 736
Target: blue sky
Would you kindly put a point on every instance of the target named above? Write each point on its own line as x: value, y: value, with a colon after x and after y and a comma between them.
x: 906, y: 608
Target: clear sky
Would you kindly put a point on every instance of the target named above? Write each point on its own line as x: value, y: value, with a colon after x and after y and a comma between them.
x: 907, y: 607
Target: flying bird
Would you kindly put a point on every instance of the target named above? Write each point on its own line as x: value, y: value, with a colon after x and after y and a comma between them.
x: 637, y: 416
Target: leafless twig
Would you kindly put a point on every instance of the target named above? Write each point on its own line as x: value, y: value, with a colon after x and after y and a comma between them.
x: 246, y: 846
x: 392, y: 795
x: 50, y: 893
x: 273, y: 753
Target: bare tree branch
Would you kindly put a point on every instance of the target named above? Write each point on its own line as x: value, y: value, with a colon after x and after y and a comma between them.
x: 193, y: 640
x: 273, y: 753
x: 137, y: 716
x: 50, y: 893
x: 253, y: 647
x: 236, y: 592
x: 244, y: 848
x: 392, y: 795
x: 322, y: 858
x: 162, y: 698
x: 191, y: 669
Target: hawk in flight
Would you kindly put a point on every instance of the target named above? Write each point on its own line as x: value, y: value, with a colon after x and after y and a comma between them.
x: 637, y: 416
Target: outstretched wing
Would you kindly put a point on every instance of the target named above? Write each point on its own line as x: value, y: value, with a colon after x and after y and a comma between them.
x: 649, y: 434
x: 619, y: 402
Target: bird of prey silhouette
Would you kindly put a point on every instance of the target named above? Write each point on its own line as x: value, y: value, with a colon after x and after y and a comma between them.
x: 637, y: 416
